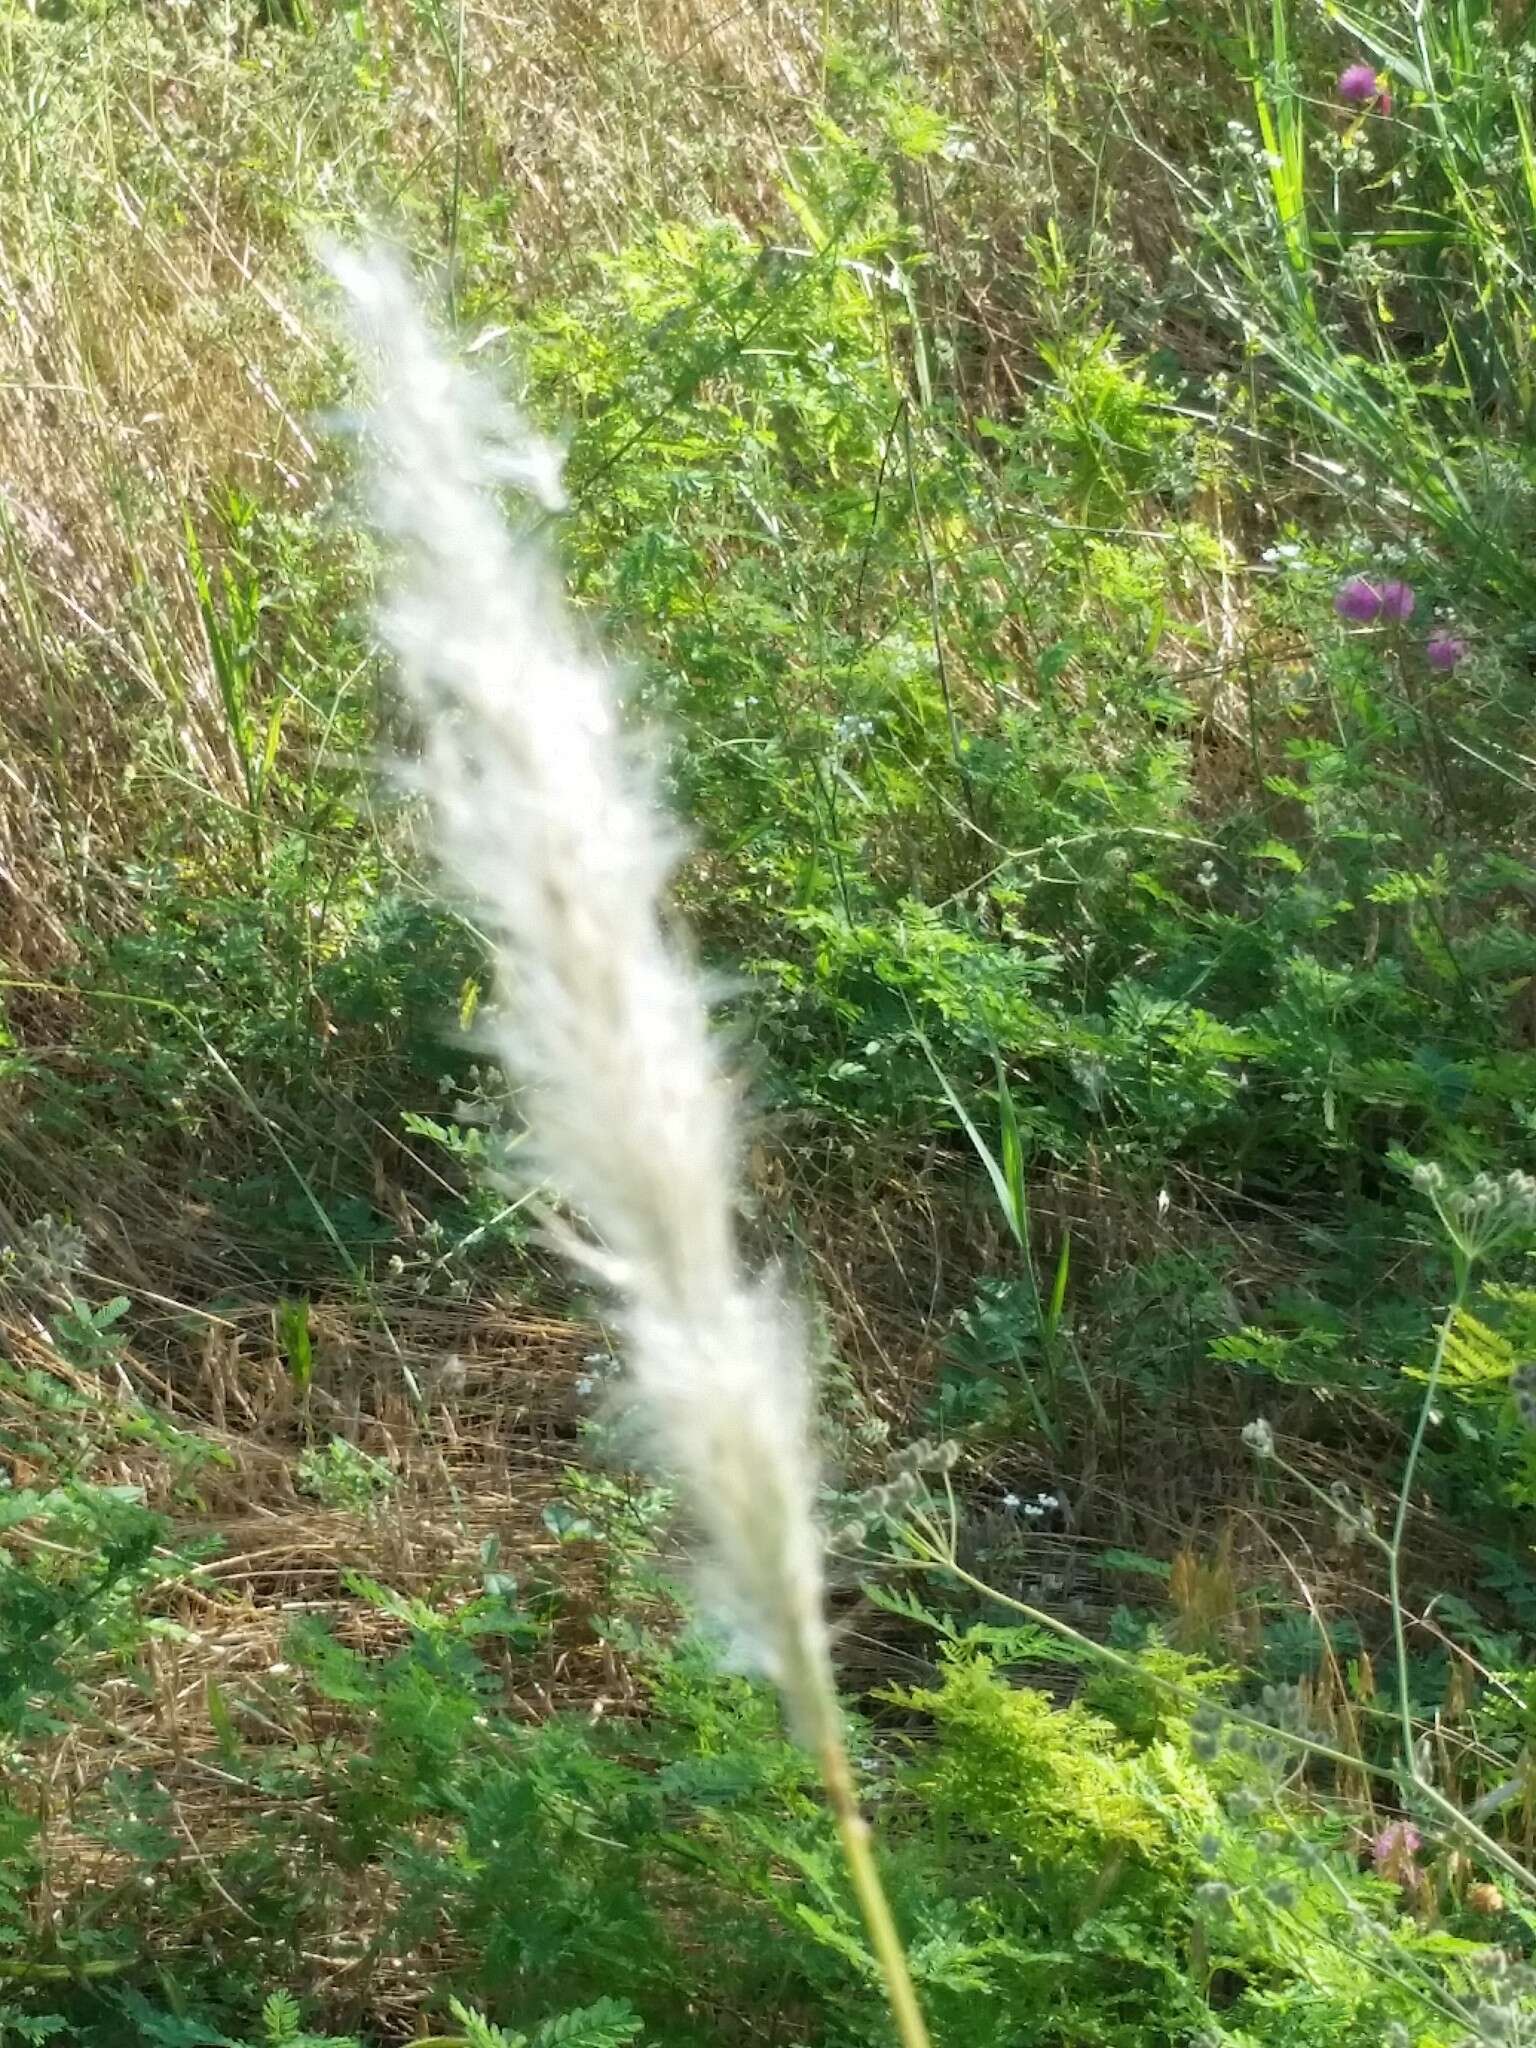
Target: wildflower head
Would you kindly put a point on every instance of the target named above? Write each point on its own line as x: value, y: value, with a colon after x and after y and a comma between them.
x: 1358, y: 601
x: 1214, y: 1896
x: 1394, y: 1850
x: 1444, y: 649
x: 1362, y: 85
x: 1364, y: 603
x: 1484, y: 1898
x: 1488, y: 1211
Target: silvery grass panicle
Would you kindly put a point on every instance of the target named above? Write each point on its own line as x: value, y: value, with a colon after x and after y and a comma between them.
x: 547, y: 823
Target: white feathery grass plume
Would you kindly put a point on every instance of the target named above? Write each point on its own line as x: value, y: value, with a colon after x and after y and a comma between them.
x: 547, y: 825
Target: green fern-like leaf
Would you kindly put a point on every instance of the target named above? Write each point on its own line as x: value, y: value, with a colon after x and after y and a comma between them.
x: 1477, y: 1358
x: 479, y: 2032
x: 608, y: 2023
x: 280, y: 2018
x: 30, y: 2028
x: 900, y: 1600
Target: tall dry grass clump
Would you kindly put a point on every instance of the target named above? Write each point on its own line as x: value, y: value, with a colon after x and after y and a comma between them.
x: 546, y: 821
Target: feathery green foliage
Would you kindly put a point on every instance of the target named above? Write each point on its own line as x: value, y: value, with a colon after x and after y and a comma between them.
x: 973, y: 416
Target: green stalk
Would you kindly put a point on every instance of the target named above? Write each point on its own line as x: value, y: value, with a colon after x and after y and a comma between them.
x: 858, y: 1854
x: 1394, y: 1545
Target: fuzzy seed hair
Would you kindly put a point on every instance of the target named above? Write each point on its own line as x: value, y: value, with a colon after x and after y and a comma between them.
x: 546, y: 824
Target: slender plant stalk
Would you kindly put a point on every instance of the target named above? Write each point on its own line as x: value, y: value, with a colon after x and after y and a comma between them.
x: 1394, y: 1543
x: 853, y: 1833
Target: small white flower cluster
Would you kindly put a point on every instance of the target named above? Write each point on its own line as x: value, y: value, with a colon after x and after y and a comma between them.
x: 597, y: 1368
x: 1484, y: 1212
x: 1259, y: 1438
x: 1032, y: 1510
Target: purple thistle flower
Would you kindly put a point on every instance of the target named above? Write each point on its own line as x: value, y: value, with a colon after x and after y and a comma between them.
x: 1397, y: 600
x: 1444, y: 649
x: 1358, y: 601
x: 1362, y: 85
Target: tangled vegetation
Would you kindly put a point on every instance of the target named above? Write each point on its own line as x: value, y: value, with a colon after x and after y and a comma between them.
x: 1062, y: 478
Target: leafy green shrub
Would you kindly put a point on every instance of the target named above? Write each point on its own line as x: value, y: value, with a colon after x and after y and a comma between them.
x: 1062, y: 1877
